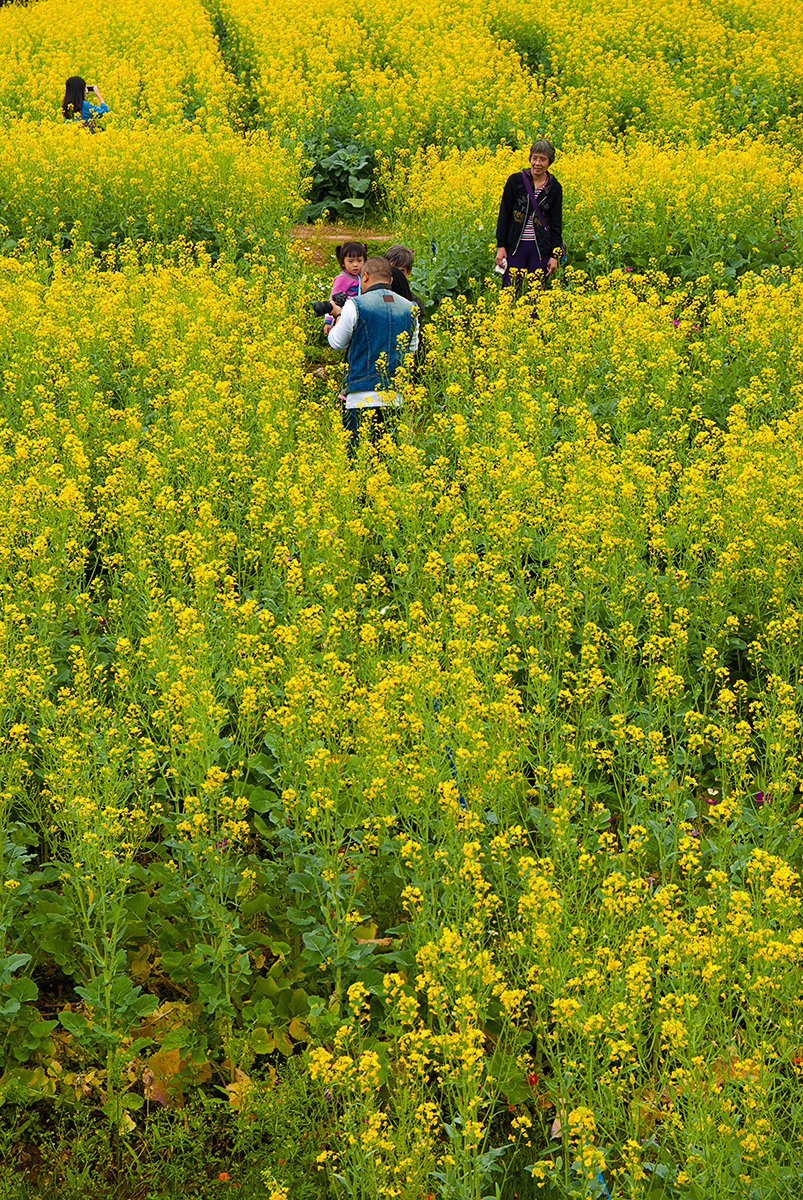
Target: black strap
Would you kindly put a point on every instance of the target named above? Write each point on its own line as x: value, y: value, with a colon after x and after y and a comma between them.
x: 531, y: 193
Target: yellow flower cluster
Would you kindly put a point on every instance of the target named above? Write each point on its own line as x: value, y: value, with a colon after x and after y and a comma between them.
x: 157, y: 184
x: 380, y: 73
x: 672, y: 68
x: 447, y: 73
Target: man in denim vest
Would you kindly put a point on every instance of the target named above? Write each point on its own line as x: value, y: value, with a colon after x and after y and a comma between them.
x: 380, y: 329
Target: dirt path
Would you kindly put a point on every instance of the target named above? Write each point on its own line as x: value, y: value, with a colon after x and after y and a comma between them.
x: 318, y: 241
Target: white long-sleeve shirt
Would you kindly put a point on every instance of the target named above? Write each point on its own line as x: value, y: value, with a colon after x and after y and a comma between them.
x: 340, y: 336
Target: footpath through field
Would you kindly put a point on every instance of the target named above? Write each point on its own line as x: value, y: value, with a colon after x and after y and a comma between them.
x: 318, y: 241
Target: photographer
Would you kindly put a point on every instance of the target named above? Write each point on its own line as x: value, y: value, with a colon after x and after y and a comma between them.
x: 77, y: 108
x: 380, y: 329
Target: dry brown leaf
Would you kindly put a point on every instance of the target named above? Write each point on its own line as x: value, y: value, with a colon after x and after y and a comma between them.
x: 650, y: 1111
x: 82, y: 1082
x: 724, y: 1070
x: 171, y: 1015
x: 562, y: 1108
x: 140, y: 962
x: 167, y: 1074
x: 365, y: 935
x: 239, y: 1089
x: 163, y: 1075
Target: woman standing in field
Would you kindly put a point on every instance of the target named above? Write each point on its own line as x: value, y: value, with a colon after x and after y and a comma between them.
x: 77, y: 107
x: 529, y: 232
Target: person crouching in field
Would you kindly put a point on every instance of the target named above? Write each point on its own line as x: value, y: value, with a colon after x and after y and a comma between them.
x: 401, y: 265
x: 380, y: 330
x: 77, y: 107
x: 529, y: 232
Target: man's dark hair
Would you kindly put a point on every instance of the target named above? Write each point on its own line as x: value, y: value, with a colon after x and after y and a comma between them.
x: 74, y: 94
x: 399, y: 283
x: 379, y: 269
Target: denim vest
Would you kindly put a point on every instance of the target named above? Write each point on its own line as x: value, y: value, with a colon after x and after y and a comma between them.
x: 381, y: 338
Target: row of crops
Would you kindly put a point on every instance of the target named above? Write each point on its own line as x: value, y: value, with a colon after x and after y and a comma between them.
x: 428, y: 825
x: 446, y: 73
x: 711, y: 215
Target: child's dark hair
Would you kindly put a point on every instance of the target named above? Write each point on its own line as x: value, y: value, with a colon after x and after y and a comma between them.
x: 354, y: 248
x: 401, y: 257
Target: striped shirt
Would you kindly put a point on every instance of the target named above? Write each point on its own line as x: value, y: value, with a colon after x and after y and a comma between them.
x: 528, y: 233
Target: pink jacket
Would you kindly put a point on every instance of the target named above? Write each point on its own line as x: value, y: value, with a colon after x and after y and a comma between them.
x: 350, y: 284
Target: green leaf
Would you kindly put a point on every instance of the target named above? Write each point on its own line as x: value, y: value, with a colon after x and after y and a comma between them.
x: 262, y: 828
x: 263, y: 764
x: 137, y: 904
x: 144, y: 1004
x: 511, y: 1080
x: 177, y: 1039
x: 261, y: 800
x: 283, y: 1042
x: 41, y: 1029
x: 74, y: 1023
x: 13, y: 962
x: 261, y: 1041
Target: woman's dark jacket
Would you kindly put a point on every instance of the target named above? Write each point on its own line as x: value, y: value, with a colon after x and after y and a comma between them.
x: 515, y: 209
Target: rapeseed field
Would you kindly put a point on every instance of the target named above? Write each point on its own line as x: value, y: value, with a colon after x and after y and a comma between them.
x: 425, y: 823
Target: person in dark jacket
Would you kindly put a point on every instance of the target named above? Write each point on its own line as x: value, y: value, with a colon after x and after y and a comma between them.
x: 529, y: 232
x: 401, y: 265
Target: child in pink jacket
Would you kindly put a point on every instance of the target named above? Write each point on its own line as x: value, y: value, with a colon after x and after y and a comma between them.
x: 352, y: 257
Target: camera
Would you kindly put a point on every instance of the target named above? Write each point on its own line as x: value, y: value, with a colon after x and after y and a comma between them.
x: 323, y: 308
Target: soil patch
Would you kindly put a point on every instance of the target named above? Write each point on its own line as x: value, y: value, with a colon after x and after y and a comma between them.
x: 317, y: 242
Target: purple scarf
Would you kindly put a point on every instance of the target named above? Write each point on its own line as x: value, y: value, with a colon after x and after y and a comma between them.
x: 528, y: 183
x: 531, y: 193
